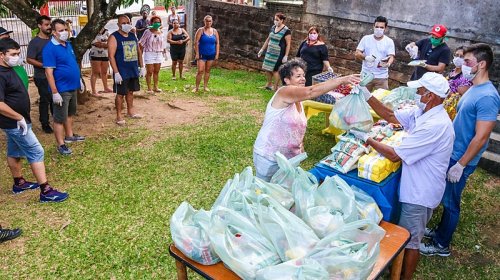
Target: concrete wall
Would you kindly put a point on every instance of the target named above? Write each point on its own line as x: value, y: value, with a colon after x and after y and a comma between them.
x: 243, y: 30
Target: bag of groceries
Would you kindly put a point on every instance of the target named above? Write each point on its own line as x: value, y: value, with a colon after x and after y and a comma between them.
x: 303, y: 190
x: 292, y: 238
x: 239, y: 244
x: 279, y: 193
x: 352, y: 112
x: 188, y: 229
x: 287, y: 170
x: 337, y: 195
x: 297, y: 269
x: 366, y: 205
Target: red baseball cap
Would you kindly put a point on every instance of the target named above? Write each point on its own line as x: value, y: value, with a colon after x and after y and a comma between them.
x: 438, y: 30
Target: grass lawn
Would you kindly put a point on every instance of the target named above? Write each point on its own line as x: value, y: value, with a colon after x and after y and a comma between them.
x: 125, y: 184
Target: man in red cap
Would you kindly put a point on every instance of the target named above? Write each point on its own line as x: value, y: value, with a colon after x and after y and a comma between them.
x: 432, y: 50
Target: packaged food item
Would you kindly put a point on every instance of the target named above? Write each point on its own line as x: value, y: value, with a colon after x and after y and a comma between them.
x: 380, y: 93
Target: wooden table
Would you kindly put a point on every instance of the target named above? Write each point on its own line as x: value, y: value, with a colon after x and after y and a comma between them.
x: 391, y: 251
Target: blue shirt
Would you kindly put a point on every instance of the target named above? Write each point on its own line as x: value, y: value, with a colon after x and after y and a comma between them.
x: 62, y: 59
x: 479, y: 103
x: 126, y: 56
x: 425, y: 152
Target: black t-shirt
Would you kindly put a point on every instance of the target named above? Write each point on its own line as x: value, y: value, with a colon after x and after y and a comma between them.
x: 434, y: 56
x: 313, y: 55
x: 14, y: 94
x: 35, y: 48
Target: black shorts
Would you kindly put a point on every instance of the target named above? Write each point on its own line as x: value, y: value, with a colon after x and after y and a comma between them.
x: 177, y: 54
x: 97, y: 58
x: 127, y: 86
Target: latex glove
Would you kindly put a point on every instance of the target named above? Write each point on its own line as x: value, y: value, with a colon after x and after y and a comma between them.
x: 285, y: 59
x: 22, y: 125
x: 369, y: 58
x: 118, y: 78
x: 359, y: 134
x: 57, y: 99
x: 82, y: 86
x: 422, y: 64
x: 455, y: 173
x: 259, y: 54
x: 366, y: 93
x: 143, y: 72
x: 412, y: 51
x: 330, y: 69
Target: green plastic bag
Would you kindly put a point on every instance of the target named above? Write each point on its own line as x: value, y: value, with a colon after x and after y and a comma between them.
x: 352, y: 112
x: 239, y: 244
x: 280, y: 194
x: 298, y: 269
x: 287, y: 170
x: 303, y: 190
x: 366, y: 205
x: 292, y: 238
x: 336, y: 194
x: 188, y: 228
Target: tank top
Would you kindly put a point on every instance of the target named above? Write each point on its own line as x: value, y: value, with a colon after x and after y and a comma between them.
x: 178, y: 37
x: 207, y: 43
x: 126, y: 55
x: 283, y: 130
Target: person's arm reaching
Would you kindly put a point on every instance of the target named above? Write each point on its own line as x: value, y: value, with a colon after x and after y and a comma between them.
x: 436, y: 68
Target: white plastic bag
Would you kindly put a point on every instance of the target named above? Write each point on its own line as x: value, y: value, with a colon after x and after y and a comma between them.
x: 352, y: 112
x: 287, y: 170
x: 366, y: 205
x: 336, y: 194
x: 298, y: 269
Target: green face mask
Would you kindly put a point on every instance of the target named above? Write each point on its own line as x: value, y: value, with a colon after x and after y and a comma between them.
x: 156, y: 25
x: 436, y: 42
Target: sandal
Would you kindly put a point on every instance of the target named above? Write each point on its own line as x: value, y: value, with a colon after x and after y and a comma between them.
x: 195, y: 90
x: 134, y: 116
x: 206, y: 89
x: 120, y: 122
x: 149, y: 91
x: 158, y: 90
x: 174, y: 78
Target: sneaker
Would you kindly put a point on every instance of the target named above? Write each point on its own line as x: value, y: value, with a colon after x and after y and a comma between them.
x: 433, y: 248
x: 24, y: 186
x: 74, y: 138
x: 53, y: 195
x: 64, y: 150
x: 47, y: 129
x: 9, y: 234
x: 430, y: 232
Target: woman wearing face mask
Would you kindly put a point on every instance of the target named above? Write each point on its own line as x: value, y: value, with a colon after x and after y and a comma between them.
x: 152, y: 46
x: 178, y: 38
x: 100, y: 62
x: 314, y: 52
x: 276, y: 47
x: 458, y: 83
x: 285, y: 121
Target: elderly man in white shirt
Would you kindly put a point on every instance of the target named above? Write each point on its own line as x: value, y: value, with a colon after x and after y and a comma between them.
x: 425, y: 153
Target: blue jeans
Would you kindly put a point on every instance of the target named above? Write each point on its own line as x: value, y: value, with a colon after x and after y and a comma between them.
x: 19, y: 145
x: 264, y: 168
x: 451, y: 204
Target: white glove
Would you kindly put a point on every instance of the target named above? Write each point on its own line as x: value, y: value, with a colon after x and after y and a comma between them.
x: 82, y: 86
x: 259, y: 54
x: 359, y: 134
x: 413, y: 51
x: 422, y: 64
x: 366, y: 93
x: 143, y: 72
x: 369, y: 58
x: 330, y: 69
x: 57, y: 99
x: 22, y: 125
x: 285, y: 59
x: 455, y: 173
x: 118, y: 78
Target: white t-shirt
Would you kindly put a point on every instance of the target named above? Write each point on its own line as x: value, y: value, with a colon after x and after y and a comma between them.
x: 378, y: 48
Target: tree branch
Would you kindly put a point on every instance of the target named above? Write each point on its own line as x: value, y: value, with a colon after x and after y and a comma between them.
x: 23, y: 10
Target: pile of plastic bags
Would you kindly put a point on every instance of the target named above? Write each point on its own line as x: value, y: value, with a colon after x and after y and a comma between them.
x: 293, y: 229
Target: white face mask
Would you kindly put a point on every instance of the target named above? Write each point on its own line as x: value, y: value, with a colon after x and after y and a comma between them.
x: 276, y: 22
x: 378, y: 32
x: 12, y: 60
x: 419, y: 103
x: 127, y: 27
x: 63, y: 36
x: 467, y: 72
x: 458, y: 61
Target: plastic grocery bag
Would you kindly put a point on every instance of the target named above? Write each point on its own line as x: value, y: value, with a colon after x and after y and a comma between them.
x: 279, y: 193
x: 351, y: 251
x: 292, y: 238
x: 336, y: 194
x: 366, y: 205
x: 398, y: 96
x: 298, y: 269
x: 303, y: 190
x: 239, y: 244
x: 188, y: 229
x: 352, y: 112
x: 287, y: 170
x: 323, y: 220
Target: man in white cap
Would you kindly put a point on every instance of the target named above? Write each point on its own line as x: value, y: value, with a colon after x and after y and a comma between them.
x: 425, y: 153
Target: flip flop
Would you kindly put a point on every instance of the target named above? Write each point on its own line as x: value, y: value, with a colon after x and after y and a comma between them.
x: 194, y: 90
x: 121, y: 122
x: 98, y: 94
x: 134, y: 116
x: 158, y: 90
x: 174, y: 78
x: 206, y: 89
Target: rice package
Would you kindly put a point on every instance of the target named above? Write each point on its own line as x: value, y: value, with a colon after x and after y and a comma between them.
x: 345, y: 153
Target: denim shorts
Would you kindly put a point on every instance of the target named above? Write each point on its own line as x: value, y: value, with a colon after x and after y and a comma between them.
x: 414, y: 218
x: 19, y: 146
x: 68, y: 107
x: 264, y: 168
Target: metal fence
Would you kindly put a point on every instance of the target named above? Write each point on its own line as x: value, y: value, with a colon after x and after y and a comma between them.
x: 57, y: 9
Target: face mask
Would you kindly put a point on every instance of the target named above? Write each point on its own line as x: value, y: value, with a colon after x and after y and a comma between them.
x: 467, y: 72
x: 436, y: 42
x: 156, y: 25
x: 12, y: 60
x: 458, y: 61
x: 276, y: 22
x: 63, y: 36
x: 419, y: 103
x: 378, y: 32
x: 313, y: 37
x: 127, y: 27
